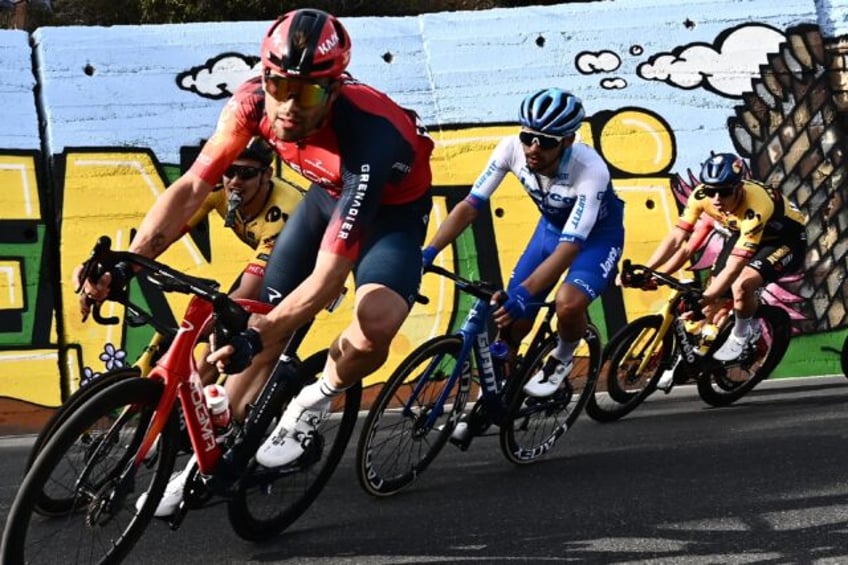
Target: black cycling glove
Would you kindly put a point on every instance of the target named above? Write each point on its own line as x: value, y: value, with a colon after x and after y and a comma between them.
x: 247, y: 345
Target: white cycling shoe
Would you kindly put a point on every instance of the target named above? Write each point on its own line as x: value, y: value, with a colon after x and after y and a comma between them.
x: 547, y: 381
x: 291, y: 437
x: 173, y: 494
x: 733, y: 347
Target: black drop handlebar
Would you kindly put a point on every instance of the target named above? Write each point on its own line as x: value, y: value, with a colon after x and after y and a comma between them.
x: 691, y: 291
x: 480, y: 289
x: 230, y: 317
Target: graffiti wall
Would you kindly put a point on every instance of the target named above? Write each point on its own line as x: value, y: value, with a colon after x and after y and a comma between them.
x: 97, y: 121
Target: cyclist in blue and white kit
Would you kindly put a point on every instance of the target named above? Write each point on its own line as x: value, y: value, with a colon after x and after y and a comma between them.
x: 581, y: 229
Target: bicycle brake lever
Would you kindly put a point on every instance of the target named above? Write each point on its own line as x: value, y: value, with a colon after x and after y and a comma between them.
x: 230, y: 318
x: 92, y: 268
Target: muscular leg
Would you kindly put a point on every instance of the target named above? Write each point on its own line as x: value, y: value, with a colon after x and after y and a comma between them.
x: 571, y: 306
x: 363, y: 346
x: 246, y: 386
x: 744, y: 291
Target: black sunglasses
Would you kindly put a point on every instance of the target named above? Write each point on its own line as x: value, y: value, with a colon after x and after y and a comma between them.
x: 721, y: 191
x: 244, y: 172
x: 545, y: 142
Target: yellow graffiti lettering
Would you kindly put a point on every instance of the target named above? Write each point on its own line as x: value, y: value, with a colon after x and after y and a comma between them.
x: 19, y: 197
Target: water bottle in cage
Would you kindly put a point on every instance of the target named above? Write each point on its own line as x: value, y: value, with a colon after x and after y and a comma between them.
x: 219, y: 411
x: 500, y: 357
x: 499, y: 350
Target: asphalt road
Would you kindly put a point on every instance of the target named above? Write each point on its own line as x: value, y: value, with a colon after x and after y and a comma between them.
x: 763, y: 481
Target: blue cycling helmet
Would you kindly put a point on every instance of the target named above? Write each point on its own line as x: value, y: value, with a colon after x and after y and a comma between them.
x: 553, y: 111
x: 723, y: 169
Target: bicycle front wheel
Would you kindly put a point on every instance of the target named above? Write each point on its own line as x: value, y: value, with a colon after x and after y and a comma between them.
x: 74, y: 401
x: 722, y: 384
x: 89, y: 469
x: 269, y: 500
x: 533, y: 425
x: 411, y: 419
x: 621, y: 385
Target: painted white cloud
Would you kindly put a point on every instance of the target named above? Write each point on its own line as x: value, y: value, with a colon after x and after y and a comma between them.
x: 616, y: 83
x: 726, y: 69
x: 219, y: 76
x: 600, y: 62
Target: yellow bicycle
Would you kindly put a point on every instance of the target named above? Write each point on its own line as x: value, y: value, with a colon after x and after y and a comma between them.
x: 637, y: 356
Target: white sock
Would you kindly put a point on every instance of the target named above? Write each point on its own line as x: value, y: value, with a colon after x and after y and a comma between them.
x: 565, y: 350
x: 318, y: 395
x: 742, y: 327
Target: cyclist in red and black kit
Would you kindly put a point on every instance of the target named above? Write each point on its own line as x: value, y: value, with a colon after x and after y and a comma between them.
x: 366, y: 212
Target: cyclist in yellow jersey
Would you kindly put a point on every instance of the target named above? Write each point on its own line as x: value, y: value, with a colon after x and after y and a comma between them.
x: 255, y: 206
x: 768, y: 241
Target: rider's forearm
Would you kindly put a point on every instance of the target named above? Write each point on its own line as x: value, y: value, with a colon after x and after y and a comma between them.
x: 164, y: 222
x: 460, y: 218
x: 312, y: 295
x: 676, y: 262
x: 666, y: 248
x: 549, y: 272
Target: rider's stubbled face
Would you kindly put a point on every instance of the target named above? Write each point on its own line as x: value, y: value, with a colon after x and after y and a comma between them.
x: 542, y: 161
x: 247, y: 187
x: 291, y: 121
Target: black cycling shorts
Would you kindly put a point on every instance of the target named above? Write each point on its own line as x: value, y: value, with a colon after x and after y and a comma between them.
x: 773, y: 259
x: 390, y: 256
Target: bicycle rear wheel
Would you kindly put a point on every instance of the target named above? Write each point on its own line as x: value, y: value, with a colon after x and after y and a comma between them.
x: 621, y: 386
x: 411, y: 419
x: 533, y: 425
x: 89, y: 467
x: 269, y: 500
x: 722, y: 384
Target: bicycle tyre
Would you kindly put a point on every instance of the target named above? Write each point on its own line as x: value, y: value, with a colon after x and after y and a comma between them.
x: 534, y: 425
x: 843, y: 357
x: 624, y: 390
x: 74, y: 401
x: 725, y: 383
x: 266, y: 504
x: 398, y: 443
x: 94, y: 532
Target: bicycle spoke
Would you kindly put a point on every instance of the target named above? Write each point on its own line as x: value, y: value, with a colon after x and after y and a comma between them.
x: 78, y: 502
x: 534, y: 425
x: 410, y: 420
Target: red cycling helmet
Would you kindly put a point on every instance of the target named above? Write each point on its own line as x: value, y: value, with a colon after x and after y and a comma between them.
x: 306, y: 43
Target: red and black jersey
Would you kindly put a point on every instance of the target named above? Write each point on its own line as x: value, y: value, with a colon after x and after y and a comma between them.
x: 369, y: 152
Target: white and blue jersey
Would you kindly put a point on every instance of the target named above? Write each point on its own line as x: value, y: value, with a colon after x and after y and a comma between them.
x: 578, y: 205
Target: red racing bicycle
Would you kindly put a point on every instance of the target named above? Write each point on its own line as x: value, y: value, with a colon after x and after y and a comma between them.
x: 78, y: 501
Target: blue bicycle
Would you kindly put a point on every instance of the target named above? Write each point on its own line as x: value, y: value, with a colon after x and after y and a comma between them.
x: 418, y: 408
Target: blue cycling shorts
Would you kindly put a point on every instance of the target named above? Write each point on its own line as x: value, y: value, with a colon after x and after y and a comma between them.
x: 592, y: 271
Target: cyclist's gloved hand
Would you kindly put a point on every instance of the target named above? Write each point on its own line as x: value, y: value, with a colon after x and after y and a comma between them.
x: 428, y: 255
x: 246, y: 345
x: 638, y: 279
x: 517, y: 302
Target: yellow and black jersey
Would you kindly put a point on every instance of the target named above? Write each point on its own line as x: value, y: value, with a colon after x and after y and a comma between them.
x: 258, y: 232
x: 763, y: 215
